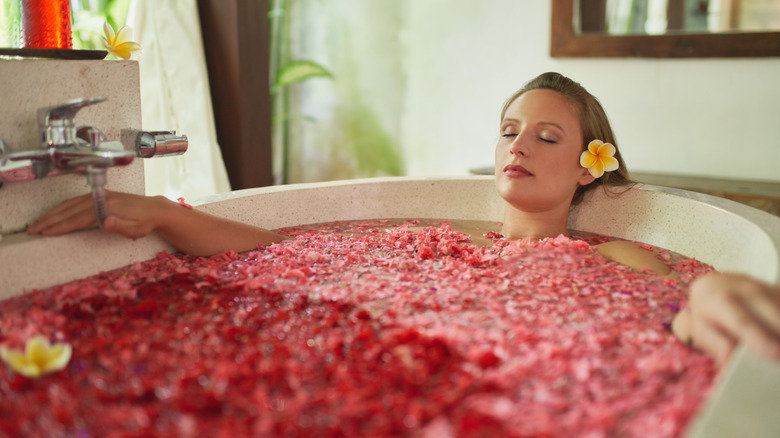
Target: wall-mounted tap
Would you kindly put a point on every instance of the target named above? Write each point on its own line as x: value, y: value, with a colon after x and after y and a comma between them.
x: 65, y: 149
x: 61, y: 149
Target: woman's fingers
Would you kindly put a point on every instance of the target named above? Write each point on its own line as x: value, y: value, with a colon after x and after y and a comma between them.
x: 72, y: 214
x: 129, y: 215
x: 731, y: 308
x: 714, y: 341
x: 765, y: 304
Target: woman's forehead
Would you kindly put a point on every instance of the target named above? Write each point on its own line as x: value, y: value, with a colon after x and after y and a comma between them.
x: 544, y: 106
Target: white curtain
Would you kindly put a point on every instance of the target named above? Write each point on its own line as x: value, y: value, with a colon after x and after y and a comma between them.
x: 175, y: 96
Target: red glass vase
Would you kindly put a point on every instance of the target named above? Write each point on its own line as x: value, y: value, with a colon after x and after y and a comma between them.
x: 46, y: 24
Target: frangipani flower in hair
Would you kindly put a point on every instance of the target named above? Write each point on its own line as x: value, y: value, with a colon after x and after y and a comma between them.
x: 39, y: 357
x: 598, y: 158
x: 119, y: 43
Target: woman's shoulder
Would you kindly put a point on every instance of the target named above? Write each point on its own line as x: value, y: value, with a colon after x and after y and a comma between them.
x: 632, y: 254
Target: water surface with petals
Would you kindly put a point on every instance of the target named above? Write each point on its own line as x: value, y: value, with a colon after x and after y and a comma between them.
x: 364, y: 328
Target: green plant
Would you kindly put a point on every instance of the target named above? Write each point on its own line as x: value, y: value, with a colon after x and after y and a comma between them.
x: 284, y: 73
x: 10, y: 26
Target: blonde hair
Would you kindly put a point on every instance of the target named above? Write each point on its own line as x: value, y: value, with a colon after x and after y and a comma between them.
x: 593, y: 121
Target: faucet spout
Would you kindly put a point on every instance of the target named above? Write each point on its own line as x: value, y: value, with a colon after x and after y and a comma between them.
x: 77, y: 158
x: 43, y: 163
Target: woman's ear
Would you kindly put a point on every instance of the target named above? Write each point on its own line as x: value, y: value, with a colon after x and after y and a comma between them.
x: 586, y: 178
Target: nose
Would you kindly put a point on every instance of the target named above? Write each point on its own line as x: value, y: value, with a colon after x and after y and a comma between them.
x: 519, y: 145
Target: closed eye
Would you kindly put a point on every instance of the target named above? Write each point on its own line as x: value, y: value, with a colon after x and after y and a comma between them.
x: 547, y: 140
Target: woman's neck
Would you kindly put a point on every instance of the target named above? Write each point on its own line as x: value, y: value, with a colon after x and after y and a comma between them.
x: 520, y: 224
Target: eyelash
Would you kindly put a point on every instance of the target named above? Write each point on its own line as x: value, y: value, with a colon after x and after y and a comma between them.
x: 540, y: 138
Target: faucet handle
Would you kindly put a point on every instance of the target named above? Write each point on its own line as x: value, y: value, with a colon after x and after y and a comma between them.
x: 91, y: 135
x: 56, y: 123
x: 160, y: 143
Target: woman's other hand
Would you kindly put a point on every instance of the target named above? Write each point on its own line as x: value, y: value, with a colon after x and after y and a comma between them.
x: 725, y: 309
x: 130, y: 215
x: 134, y: 216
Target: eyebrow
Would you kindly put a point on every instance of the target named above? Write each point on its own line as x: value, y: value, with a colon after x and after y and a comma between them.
x: 510, y: 119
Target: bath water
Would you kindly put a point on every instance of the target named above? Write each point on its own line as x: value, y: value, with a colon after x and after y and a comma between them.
x: 363, y: 328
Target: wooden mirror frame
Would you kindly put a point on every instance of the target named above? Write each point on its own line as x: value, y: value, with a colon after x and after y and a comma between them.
x: 564, y: 43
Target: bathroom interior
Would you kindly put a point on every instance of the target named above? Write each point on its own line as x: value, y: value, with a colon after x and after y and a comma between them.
x: 400, y: 112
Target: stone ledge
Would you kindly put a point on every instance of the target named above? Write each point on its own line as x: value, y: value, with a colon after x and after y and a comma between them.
x: 764, y: 195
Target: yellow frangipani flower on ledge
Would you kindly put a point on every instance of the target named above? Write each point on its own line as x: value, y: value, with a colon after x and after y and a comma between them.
x: 599, y: 157
x: 39, y: 357
x: 119, y: 43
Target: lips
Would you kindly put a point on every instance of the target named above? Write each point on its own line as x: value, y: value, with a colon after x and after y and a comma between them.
x: 516, y: 171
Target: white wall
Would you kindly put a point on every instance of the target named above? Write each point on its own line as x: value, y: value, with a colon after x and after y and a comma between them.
x: 716, y: 117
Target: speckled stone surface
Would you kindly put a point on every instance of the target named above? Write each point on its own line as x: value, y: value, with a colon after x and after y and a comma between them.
x: 725, y: 234
x: 26, y: 86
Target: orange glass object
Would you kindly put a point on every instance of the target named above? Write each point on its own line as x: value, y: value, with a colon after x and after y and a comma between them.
x: 46, y: 24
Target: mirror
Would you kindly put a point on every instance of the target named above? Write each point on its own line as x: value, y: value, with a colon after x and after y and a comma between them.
x: 658, y: 17
x: 577, y: 32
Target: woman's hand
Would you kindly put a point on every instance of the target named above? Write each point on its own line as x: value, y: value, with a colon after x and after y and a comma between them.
x: 130, y: 215
x: 725, y: 309
x: 134, y: 216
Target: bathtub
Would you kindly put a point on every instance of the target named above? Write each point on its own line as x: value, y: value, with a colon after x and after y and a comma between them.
x: 723, y: 233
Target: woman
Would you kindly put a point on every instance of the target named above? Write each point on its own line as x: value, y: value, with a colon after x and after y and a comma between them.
x: 546, y: 128
x: 549, y: 154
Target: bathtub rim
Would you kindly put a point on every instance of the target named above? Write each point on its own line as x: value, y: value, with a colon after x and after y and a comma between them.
x: 59, y: 249
x: 763, y: 226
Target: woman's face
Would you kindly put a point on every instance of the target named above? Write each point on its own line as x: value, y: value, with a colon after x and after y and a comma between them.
x: 537, y: 155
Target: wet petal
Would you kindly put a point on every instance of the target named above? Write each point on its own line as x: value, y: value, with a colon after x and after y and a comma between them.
x: 610, y: 163
x: 124, y: 35
x: 28, y: 370
x: 597, y: 169
x: 19, y: 362
x: 125, y: 50
x: 607, y: 150
x: 109, y: 32
x: 39, y: 357
x: 37, y: 350
x: 57, y: 358
x: 594, y: 145
x: 587, y: 159
x: 12, y: 357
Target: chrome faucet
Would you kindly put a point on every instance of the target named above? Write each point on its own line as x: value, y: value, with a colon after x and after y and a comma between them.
x: 63, y: 148
x: 66, y: 149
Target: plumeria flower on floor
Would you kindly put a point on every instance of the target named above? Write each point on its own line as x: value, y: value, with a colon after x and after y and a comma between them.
x: 119, y: 43
x: 598, y: 158
x: 39, y: 357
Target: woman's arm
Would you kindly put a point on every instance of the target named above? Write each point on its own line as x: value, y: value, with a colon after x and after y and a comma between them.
x: 722, y: 310
x: 726, y: 309
x: 135, y: 216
